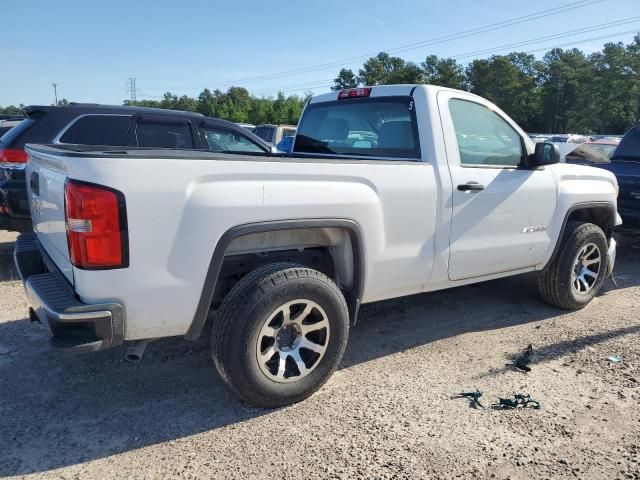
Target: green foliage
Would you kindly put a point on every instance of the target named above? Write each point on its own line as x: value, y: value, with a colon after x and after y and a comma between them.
x: 236, y: 105
x: 11, y: 110
x: 445, y: 72
x: 383, y: 69
x: 345, y: 79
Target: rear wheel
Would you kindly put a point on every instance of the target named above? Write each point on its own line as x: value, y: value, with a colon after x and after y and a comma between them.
x: 280, y: 334
x: 578, y: 270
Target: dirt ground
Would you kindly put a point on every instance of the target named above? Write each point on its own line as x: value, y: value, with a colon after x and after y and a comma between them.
x: 387, y: 412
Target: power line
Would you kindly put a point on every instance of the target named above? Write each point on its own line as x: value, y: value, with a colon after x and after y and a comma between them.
x: 584, y: 40
x: 286, y: 87
x: 568, y: 33
x: 502, y: 47
x: 320, y: 83
x: 433, y: 10
x: 327, y: 82
x: 433, y: 41
x: 121, y: 90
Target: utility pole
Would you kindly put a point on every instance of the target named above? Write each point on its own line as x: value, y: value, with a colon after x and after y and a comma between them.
x: 132, y: 89
x: 55, y: 92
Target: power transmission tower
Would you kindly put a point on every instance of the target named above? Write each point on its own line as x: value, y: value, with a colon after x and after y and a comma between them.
x: 132, y: 89
x: 55, y: 92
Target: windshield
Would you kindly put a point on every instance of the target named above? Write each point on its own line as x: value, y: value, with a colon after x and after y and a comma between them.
x: 629, y: 148
x: 220, y: 140
x: 371, y: 127
x: 605, y: 148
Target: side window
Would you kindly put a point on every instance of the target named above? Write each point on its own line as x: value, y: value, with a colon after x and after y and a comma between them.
x: 483, y: 137
x: 163, y: 133
x: 108, y: 130
x: 220, y: 140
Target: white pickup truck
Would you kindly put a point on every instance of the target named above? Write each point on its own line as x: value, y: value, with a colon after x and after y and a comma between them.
x: 389, y: 191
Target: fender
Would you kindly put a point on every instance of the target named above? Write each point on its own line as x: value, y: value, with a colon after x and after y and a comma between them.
x: 574, y: 208
x: 352, y: 228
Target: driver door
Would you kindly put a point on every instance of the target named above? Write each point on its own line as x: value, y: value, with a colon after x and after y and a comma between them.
x: 500, y: 210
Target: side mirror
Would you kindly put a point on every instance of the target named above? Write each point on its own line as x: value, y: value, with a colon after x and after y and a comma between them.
x: 545, y: 154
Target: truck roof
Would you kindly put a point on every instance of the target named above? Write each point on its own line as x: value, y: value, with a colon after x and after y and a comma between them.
x: 381, y: 91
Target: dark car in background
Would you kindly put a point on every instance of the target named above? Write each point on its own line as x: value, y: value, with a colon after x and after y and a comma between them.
x: 104, y: 125
x: 625, y: 164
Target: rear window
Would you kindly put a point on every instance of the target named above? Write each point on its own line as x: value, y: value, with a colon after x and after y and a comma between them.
x: 383, y: 127
x: 629, y: 148
x: 163, y: 133
x: 10, y: 136
x: 108, y: 130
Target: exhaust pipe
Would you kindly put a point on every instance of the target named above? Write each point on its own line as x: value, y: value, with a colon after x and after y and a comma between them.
x: 134, y: 354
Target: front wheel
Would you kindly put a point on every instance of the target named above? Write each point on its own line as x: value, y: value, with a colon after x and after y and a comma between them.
x: 280, y: 334
x: 578, y: 270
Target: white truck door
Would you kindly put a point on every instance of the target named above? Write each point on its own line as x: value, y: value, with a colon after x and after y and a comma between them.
x: 500, y: 211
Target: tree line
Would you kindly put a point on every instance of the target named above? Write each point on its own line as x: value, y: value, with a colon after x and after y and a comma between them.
x: 567, y: 91
x: 236, y: 105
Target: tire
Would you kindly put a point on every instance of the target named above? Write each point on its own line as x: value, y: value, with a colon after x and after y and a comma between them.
x: 250, y: 328
x: 564, y: 283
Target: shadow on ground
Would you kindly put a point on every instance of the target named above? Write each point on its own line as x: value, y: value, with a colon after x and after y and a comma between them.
x: 58, y: 409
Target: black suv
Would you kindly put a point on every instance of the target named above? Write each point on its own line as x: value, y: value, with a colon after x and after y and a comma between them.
x: 109, y: 126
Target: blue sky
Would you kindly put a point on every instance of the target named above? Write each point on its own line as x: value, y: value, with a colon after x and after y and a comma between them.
x: 90, y: 49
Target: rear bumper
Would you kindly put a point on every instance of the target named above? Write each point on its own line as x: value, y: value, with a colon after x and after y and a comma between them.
x: 74, y: 325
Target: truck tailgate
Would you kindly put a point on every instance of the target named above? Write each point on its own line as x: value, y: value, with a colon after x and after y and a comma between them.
x: 46, y: 175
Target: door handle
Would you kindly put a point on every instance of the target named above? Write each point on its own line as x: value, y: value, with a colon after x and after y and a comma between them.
x: 470, y: 187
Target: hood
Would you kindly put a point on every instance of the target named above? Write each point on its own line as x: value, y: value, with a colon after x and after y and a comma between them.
x: 582, y: 150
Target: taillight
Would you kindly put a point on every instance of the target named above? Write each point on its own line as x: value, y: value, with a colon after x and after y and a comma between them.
x: 354, y: 93
x: 12, y: 155
x: 96, y: 226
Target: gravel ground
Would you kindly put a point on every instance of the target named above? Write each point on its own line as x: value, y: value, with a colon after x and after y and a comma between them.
x: 387, y: 413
